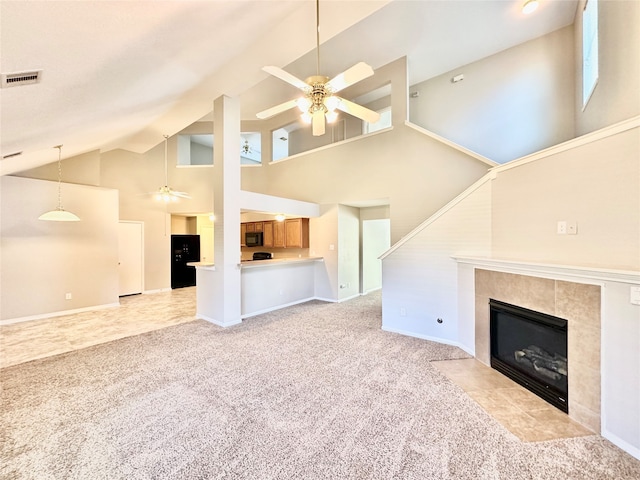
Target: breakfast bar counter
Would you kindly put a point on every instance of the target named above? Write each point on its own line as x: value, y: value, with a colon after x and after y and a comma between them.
x: 266, y: 285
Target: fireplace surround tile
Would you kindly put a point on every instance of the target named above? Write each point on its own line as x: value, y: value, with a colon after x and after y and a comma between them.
x: 578, y: 303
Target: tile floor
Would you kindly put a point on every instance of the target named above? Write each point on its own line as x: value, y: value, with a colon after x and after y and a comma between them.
x: 26, y: 341
x: 521, y: 412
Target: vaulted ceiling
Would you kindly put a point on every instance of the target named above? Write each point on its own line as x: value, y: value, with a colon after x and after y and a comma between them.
x: 121, y: 74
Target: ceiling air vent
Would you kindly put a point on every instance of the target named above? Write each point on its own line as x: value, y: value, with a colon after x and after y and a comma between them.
x: 20, y: 78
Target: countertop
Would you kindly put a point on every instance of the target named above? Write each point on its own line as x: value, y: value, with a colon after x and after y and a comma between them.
x: 261, y: 263
x: 277, y: 261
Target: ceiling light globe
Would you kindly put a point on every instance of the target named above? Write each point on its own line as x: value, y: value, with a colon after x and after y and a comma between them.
x: 306, y: 117
x: 529, y: 6
x: 331, y: 116
x: 303, y: 104
x: 331, y: 103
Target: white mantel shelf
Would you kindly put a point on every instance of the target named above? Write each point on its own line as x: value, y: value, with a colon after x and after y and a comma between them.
x: 553, y: 270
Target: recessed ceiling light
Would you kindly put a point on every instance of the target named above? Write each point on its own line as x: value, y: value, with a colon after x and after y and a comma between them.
x: 529, y: 6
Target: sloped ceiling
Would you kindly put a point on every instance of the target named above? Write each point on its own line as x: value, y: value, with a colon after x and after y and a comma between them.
x: 121, y: 74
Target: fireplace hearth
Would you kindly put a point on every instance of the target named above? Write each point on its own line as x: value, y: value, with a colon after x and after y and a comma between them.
x: 530, y: 348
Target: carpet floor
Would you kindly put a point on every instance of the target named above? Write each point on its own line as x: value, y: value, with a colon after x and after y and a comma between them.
x: 314, y: 391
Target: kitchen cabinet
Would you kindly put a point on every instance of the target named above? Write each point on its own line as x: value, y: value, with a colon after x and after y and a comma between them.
x: 254, y: 226
x: 292, y: 233
x: 296, y: 232
x: 267, y: 237
x: 278, y: 234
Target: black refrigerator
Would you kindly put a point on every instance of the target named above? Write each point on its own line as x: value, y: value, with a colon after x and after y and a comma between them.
x: 184, y: 249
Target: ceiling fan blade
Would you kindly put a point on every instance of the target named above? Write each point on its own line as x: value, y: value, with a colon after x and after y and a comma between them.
x: 287, y: 77
x: 180, y: 194
x: 358, y: 72
x: 270, y: 112
x: 317, y: 123
x: 358, y: 111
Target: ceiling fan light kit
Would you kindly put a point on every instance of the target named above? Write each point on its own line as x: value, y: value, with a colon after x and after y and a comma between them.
x: 59, y: 214
x: 529, y: 6
x: 166, y: 193
x: 320, y: 103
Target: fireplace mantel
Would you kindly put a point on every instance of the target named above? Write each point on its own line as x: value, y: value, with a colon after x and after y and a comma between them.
x: 548, y: 270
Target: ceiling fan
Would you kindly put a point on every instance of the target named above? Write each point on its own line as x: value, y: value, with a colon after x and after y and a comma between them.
x: 166, y: 193
x: 320, y: 100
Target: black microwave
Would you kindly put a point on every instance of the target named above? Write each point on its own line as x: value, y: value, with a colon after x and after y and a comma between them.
x: 253, y: 239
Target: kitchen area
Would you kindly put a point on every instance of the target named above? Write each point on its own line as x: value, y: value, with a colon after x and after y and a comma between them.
x: 276, y: 268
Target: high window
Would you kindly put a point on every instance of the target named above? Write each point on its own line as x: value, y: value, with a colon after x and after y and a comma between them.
x: 589, y: 49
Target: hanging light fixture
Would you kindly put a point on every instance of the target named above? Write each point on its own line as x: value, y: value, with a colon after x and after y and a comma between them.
x: 59, y: 214
x: 166, y: 193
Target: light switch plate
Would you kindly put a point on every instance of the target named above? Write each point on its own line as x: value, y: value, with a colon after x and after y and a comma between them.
x: 634, y: 295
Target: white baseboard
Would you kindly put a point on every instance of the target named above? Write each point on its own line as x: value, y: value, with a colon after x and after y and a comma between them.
x: 427, y: 337
x: 322, y: 299
x: 278, y: 307
x: 348, y: 298
x: 157, y: 290
x: 61, y: 313
x: 618, y: 442
x: 217, y: 322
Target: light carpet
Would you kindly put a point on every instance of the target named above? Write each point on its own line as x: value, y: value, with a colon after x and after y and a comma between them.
x: 314, y: 391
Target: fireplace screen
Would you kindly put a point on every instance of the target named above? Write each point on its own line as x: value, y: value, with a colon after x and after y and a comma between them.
x: 531, y: 348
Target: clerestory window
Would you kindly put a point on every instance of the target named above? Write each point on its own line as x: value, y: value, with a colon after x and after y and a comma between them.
x: 589, y: 50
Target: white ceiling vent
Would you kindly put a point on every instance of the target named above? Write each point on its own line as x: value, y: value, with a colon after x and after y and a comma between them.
x: 20, y: 78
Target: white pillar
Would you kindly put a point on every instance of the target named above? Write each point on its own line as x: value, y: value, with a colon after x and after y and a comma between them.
x: 219, y: 293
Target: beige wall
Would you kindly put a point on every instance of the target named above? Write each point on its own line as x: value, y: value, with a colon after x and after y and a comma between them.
x: 617, y: 94
x: 510, y: 104
x: 596, y: 185
x: 415, y: 173
x: 40, y: 262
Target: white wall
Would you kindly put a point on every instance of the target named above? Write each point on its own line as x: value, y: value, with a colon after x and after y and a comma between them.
x: 348, y: 252
x: 510, y: 104
x: 40, y: 262
x: 419, y: 278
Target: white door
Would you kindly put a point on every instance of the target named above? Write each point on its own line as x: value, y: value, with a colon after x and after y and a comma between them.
x: 130, y: 261
x: 376, y: 239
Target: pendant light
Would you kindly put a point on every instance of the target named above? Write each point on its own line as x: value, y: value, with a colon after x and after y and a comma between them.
x: 59, y: 214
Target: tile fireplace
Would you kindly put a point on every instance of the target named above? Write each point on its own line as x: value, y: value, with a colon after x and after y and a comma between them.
x: 531, y: 348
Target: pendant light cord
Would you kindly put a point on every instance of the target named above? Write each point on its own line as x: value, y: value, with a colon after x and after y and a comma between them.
x: 59, y: 147
x: 166, y: 174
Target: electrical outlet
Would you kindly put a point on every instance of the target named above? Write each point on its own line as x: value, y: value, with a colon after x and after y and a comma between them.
x: 67, y: 296
x: 572, y: 228
x: 562, y: 227
x: 403, y: 312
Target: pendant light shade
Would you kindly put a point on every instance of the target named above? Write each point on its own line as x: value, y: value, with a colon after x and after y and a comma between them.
x: 59, y: 214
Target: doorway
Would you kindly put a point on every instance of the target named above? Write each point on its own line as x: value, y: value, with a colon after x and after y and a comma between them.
x: 130, y: 257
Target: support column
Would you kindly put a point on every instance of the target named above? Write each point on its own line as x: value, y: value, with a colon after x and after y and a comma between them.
x: 221, y: 290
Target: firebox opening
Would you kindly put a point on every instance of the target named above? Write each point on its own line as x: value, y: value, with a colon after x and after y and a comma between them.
x: 531, y: 348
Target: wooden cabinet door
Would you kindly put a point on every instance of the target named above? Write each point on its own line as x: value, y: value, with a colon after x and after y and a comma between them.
x: 257, y: 226
x: 251, y: 227
x: 278, y: 234
x: 243, y: 230
x: 297, y: 232
x: 267, y: 237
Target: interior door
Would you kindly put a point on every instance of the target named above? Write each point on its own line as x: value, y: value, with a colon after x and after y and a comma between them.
x: 130, y: 261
